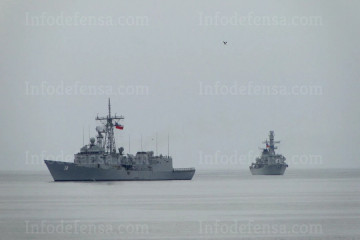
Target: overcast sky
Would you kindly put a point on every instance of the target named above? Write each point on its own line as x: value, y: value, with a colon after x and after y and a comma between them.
x: 288, y: 66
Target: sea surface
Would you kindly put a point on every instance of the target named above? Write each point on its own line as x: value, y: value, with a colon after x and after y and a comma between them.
x: 226, y: 204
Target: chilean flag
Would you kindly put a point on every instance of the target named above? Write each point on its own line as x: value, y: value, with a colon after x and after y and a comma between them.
x: 118, y: 126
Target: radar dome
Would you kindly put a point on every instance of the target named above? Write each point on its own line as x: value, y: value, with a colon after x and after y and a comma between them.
x: 101, y: 129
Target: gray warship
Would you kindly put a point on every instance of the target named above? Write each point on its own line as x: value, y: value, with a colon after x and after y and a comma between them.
x: 100, y: 161
x: 269, y: 163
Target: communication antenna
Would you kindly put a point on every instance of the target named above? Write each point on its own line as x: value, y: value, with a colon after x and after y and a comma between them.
x: 83, y: 136
x: 129, y: 144
x: 141, y: 143
x: 168, y: 144
x: 156, y: 149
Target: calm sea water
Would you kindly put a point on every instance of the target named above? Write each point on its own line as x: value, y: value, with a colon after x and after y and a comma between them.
x: 302, y: 204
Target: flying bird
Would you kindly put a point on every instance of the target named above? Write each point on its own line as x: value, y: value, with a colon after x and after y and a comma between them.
x: 224, y: 42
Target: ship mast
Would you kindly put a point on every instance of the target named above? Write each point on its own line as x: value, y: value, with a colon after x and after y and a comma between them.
x: 272, y: 142
x: 109, y: 143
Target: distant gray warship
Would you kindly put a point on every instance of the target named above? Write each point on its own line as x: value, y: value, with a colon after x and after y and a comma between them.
x: 269, y: 163
x: 99, y: 161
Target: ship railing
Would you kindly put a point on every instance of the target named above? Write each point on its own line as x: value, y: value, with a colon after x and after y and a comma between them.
x: 183, y: 169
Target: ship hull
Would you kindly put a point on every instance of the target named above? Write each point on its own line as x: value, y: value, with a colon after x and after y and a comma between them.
x: 66, y: 171
x: 269, y: 170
